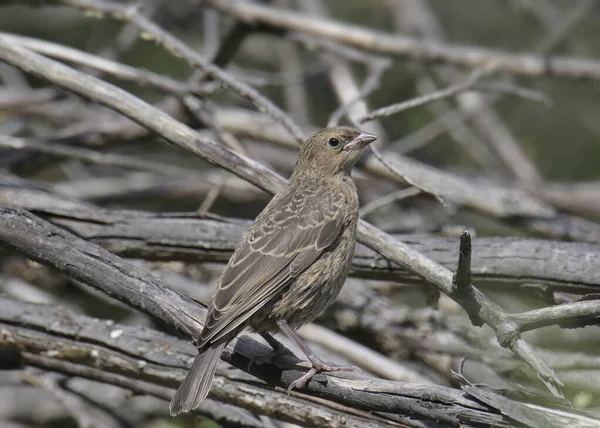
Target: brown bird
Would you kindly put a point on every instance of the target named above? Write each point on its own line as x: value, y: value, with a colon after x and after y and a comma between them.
x: 290, y: 265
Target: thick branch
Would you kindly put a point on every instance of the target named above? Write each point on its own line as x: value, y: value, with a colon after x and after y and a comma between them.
x: 541, y: 265
x: 98, y: 268
x: 135, y: 352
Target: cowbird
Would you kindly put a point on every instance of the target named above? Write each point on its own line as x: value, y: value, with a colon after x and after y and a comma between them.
x: 290, y: 265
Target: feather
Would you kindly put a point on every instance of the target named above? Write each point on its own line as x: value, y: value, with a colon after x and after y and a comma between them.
x: 271, y: 255
x: 196, y: 384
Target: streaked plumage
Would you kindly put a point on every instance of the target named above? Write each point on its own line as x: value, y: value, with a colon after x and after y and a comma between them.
x: 292, y: 261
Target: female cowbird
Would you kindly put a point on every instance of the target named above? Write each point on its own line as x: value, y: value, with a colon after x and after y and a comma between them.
x: 291, y: 263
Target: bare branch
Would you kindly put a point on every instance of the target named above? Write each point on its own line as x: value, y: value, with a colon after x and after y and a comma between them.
x: 524, y: 64
x: 479, y: 307
x: 542, y: 264
x: 181, y: 135
x: 469, y: 83
x: 388, y: 199
x: 120, y: 71
x: 372, y: 82
x: 121, y: 161
x: 180, y: 49
x: 399, y: 173
x: 136, y: 109
x: 462, y: 277
x: 130, y: 360
x: 568, y: 315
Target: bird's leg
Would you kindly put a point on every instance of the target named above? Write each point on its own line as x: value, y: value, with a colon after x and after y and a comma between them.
x: 318, y: 365
x: 278, y: 349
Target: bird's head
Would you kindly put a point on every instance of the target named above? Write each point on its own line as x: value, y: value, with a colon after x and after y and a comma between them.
x: 332, y: 151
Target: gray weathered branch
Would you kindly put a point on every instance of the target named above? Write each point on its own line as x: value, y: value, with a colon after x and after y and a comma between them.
x: 61, y: 340
x: 540, y: 265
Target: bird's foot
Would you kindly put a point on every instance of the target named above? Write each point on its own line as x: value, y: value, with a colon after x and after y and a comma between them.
x: 319, y: 366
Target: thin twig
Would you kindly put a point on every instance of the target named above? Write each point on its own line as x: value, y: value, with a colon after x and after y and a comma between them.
x: 83, y: 411
x: 181, y: 49
x: 575, y: 314
x: 406, y: 178
x: 398, y: 195
x: 372, y: 83
x: 467, y: 84
x: 518, y: 91
x: 15, y: 100
x: 487, y: 122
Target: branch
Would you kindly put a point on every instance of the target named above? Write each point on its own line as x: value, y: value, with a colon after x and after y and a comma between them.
x: 555, y: 266
x: 25, y: 235
x: 467, y: 84
x: 65, y: 252
x: 462, y: 277
x: 84, y: 412
x: 519, y: 64
x: 568, y: 315
x: 495, y: 133
x: 478, y: 306
x: 88, y: 263
x: 183, y: 136
x: 179, y: 49
x: 146, y: 360
x: 98, y: 158
x: 15, y: 100
x: 472, y: 82
x: 120, y: 71
x: 173, y: 131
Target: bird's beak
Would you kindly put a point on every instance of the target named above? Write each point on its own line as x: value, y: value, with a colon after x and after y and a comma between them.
x: 360, y: 142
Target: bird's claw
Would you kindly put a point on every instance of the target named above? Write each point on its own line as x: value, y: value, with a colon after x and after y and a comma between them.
x: 302, y: 380
x: 319, y: 367
x: 325, y: 366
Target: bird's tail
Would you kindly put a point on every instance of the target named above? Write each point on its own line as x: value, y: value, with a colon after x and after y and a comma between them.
x: 194, y: 388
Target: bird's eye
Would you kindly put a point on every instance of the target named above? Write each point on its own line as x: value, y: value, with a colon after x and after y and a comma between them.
x: 333, y: 142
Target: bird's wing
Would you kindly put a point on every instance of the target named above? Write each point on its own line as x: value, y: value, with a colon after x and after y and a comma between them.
x: 286, y: 238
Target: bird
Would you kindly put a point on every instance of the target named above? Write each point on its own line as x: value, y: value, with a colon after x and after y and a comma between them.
x: 291, y: 263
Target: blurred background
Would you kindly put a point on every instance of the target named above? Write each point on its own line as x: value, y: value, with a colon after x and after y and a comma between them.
x: 526, y: 147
